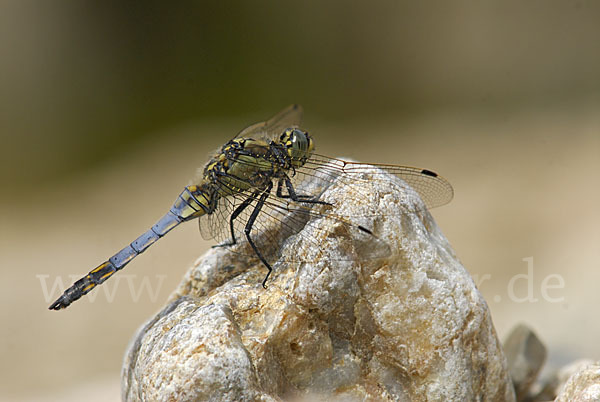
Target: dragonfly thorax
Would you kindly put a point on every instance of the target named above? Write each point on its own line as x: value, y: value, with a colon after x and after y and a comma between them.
x: 243, y: 164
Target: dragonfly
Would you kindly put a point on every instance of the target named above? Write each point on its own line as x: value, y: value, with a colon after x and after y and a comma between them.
x: 262, y: 186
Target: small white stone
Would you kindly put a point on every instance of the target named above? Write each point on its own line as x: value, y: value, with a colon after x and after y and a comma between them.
x: 583, y: 385
x: 526, y: 355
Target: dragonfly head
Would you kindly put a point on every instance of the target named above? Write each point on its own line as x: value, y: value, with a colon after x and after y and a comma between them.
x: 298, y: 144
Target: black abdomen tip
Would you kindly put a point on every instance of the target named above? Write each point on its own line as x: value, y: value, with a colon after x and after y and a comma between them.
x: 58, y: 304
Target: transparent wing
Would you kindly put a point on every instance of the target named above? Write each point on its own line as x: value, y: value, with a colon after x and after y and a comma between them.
x: 289, y: 117
x: 433, y: 189
x: 280, y: 218
x: 216, y: 225
x: 320, y: 171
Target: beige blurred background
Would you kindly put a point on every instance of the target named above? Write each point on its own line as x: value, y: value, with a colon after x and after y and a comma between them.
x: 106, y: 110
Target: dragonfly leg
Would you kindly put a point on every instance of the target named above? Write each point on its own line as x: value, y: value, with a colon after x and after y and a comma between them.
x: 292, y: 193
x: 248, y: 229
x: 234, y: 215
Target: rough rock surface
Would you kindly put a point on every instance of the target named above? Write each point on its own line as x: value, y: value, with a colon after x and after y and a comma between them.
x: 406, y: 323
x: 582, y: 386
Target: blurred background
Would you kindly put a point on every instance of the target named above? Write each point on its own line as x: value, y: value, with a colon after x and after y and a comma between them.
x: 107, y: 109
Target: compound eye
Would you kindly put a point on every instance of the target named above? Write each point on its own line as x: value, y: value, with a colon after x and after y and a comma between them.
x: 299, y: 140
x: 294, y: 137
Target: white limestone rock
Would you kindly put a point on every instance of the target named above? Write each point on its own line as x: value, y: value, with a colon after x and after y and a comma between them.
x: 182, y: 357
x: 583, y: 385
x: 555, y: 386
x: 406, y: 323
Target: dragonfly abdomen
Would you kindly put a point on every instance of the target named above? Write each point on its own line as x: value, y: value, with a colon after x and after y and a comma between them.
x: 193, y: 202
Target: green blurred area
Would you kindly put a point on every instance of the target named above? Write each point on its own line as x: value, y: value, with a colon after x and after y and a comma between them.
x: 82, y: 82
